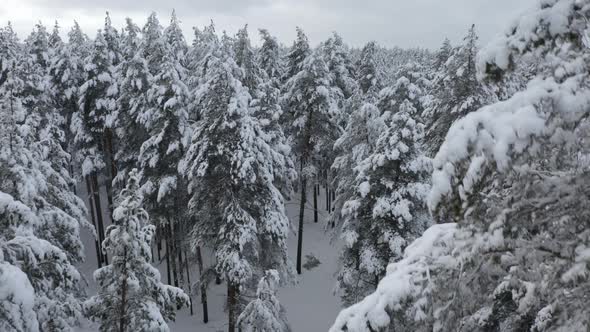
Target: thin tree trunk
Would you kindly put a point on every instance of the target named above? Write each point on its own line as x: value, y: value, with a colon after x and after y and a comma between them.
x: 72, y: 176
x: 168, y: 274
x: 217, y: 279
x: 327, y: 188
x: 91, y: 204
x: 315, y: 203
x: 179, y: 250
x: 172, y: 255
x: 203, y: 286
x: 123, y: 309
x: 188, y: 281
x: 159, y: 239
x: 96, y: 193
x: 333, y: 199
x: 232, y: 301
x: 301, y: 215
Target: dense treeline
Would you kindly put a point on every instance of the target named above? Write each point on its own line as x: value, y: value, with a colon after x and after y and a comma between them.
x: 448, y: 176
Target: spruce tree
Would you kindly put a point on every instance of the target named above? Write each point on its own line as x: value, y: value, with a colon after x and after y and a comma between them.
x: 313, y: 113
x: 131, y: 296
x: 388, y: 208
x: 297, y: 55
x: 132, y: 103
x: 45, y: 242
x: 265, y: 313
x: 230, y: 165
x: 456, y: 92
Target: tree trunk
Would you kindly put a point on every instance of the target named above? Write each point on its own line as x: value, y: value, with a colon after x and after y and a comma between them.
x: 123, y: 309
x: 203, y: 286
x: 315, y: 203
x: 188, y: 281
x: 168, y: 274
x: 91, y: 204
x: 232, y: 303
x: 172, y: 255
x: 96, y: 193
x: 301, y: 215
x: 180, y: 262
x: 159, y: 240
x: 333, y: 199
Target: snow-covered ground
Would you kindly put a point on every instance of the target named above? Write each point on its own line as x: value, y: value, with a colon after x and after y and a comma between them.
x: 310, y: 303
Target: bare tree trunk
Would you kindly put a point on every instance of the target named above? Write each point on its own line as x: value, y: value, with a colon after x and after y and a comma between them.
x: 188, y: 281
x: 203, y: 287
x: 91, y: 204
x: 168, y: 274
x: 123, y: 309
x: 172, y: 254
x: 327, y: 193
x: 96, y: 193
x: 315, y: 203
x: 159, y: 239
x: 232, y: 301
x: 301, y: 215
x: 179, y: 250
x: 333, y: 199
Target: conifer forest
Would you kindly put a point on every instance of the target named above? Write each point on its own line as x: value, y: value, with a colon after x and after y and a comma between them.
x: 154, y: 180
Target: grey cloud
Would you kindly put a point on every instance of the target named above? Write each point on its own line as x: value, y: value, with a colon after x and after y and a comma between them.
x: 406, y: 23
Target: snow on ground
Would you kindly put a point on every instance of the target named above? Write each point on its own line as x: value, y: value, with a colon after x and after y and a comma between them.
x: 310, y: 303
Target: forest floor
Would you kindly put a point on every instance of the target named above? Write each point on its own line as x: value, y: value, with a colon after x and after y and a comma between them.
x: 310, y: 302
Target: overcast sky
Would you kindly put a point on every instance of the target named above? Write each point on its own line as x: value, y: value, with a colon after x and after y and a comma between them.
x: 405, y: 23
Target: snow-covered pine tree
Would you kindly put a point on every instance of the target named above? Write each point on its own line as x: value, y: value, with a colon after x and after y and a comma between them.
x: 341, y: 69
x: 265, y: 313
x: 54, y: 40
x: 166, y: 122
x: 269, y: 56
x: 297, y: 55
x: 131, y: 296
x: 510, y: 178
x: 96, y: 108
x: 246, y: 60
x: 153, y: 45
x: 456, y: 92
x: 236, y: 208
x: 135, y: 80
x: 312, y: 115
x: 367, y: 71
x: 113, y: 41
x: 388, y: 209
x: 356, y: 143
x: 29, y: 181
x: 442, y: 55
x: 175, y: 39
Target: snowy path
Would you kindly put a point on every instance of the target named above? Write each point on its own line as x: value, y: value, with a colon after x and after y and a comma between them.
x: 310, y: 303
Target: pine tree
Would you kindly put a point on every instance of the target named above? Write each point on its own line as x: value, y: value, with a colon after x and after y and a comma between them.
x: 297, y: 55
x: 132, y: 102
x: 388, y: 209
x: 367, y: 69
x: 269, y: 56
x: 313, y: 114
x: 175, y: 39
x: 153, y: 45
x: 166, y: 122
x: 131, y: 296
x: 456, y: 92
x: 97, y: 106
x: 236, y: 208
x: 443, y: 54
x: 45, y: 243
x: 337, y: 59
x: 265, y: 313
